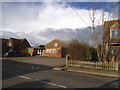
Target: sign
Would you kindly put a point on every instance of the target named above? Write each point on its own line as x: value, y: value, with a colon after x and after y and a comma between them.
x: 30, y: 49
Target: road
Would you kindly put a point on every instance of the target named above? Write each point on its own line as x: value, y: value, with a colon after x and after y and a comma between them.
x: 48, y: 61
x: 26, y: 75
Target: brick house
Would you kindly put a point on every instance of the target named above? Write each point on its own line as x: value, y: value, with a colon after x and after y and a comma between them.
x: 32, y: 51
x: 4, y: 45
x: 14, y: 44
x: 18, y: 44
x: 56, y: 48
x: 111, y: 40
x: 42, y: 48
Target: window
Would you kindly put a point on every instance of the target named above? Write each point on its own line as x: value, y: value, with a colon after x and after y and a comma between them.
x: 51, y: 51
x: 115, y: 33
x: 47, y: 50
x: 10, y: 44
x: 55, y: 44
x: 54, y: 51
x: 112, y: 50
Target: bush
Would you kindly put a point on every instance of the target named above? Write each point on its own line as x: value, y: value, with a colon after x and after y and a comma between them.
x: 93, y: 53
x: 81, y: 51
x: 78, y: 51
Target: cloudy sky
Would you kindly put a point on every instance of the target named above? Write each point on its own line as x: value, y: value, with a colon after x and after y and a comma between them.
x: 38, y: 16
x: 41, y: 22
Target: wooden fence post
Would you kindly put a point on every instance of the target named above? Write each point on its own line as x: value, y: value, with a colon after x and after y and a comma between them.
x: 66, y: 60
x: 116, y: 66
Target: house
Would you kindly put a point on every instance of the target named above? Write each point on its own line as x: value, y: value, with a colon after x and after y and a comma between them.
x: 56, y: 48
x: 32, y: 51
x: 5, y: 48
x: 42, y: 48
x: 111, y: 40
x: 18, y: 44
x: 14, y: 44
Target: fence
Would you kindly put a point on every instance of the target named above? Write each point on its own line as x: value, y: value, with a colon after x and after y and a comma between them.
x: 96, y: 65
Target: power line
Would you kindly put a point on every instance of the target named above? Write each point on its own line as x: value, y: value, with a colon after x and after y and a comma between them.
x: 78, y: 14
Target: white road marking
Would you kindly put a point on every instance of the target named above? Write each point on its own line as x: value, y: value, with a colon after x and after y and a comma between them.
x: 54, y: 84
x: 44, y: 82
x: 37, y: 79
x: 37, y: 68
x: 24, y: 77
x: 32, y: 67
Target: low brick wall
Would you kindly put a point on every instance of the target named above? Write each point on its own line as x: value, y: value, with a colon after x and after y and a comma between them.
x: 53, y: 54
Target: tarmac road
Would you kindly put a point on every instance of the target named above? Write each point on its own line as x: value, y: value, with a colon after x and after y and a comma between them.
x: 47, y: 61
x: 26, y: 75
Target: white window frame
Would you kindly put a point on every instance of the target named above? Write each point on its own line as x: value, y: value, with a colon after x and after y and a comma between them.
x: 54, y: 50
x: 55, y: 44
x: 47, y: 50
x: 10, y: 44
x: 111, y: 33
x: 50, y: 50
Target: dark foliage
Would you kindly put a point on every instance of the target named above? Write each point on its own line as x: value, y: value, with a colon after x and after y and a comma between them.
x: 81, y: 51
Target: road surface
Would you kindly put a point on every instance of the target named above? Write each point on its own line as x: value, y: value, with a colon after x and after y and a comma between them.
x: 26, y: 75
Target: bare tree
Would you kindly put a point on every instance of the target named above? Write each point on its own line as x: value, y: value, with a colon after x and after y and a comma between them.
x: 93, y: 28
x: 96, y: 20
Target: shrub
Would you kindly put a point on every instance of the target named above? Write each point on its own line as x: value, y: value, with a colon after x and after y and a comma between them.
x: 78, y: 51
x: 81, y: 51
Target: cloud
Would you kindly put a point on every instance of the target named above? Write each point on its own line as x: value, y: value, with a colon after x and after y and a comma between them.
x: 42, y: 22
x: 46, y: 36
x: 116, y: 14
x: 60, y: 0
x: 29, y: 17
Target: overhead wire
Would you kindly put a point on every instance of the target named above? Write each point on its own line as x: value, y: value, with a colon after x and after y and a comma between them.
x: 78, y: 14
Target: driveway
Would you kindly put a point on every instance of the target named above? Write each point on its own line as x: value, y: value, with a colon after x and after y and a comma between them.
x: 48, y: 61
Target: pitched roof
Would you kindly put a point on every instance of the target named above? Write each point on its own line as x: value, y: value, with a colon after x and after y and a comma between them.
x: 117, y: 20
x: 108, y: 24
x: 116, y: 25
x: 17, y: 41
x: 66, y: 42
x: 3, y: 40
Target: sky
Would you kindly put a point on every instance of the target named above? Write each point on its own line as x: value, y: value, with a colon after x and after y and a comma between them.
x: 38, y: 16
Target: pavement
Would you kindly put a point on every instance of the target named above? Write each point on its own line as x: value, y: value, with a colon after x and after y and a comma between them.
x: 103, y: 73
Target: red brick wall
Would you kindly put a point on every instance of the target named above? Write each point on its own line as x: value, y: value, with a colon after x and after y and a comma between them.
x: 60, y: 44
x: 58, y: 54
x: 24, y: 44
x: 30, y: 52
x: 17, y: 44
x: 53, y: 54
x: 106, y: 31
x: 106, y: 36
x: 10, y: 41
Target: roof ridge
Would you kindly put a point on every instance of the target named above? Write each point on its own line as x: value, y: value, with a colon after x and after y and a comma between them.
x: 66, y: 42
x: 18, y: 39
x: 113, y: 20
